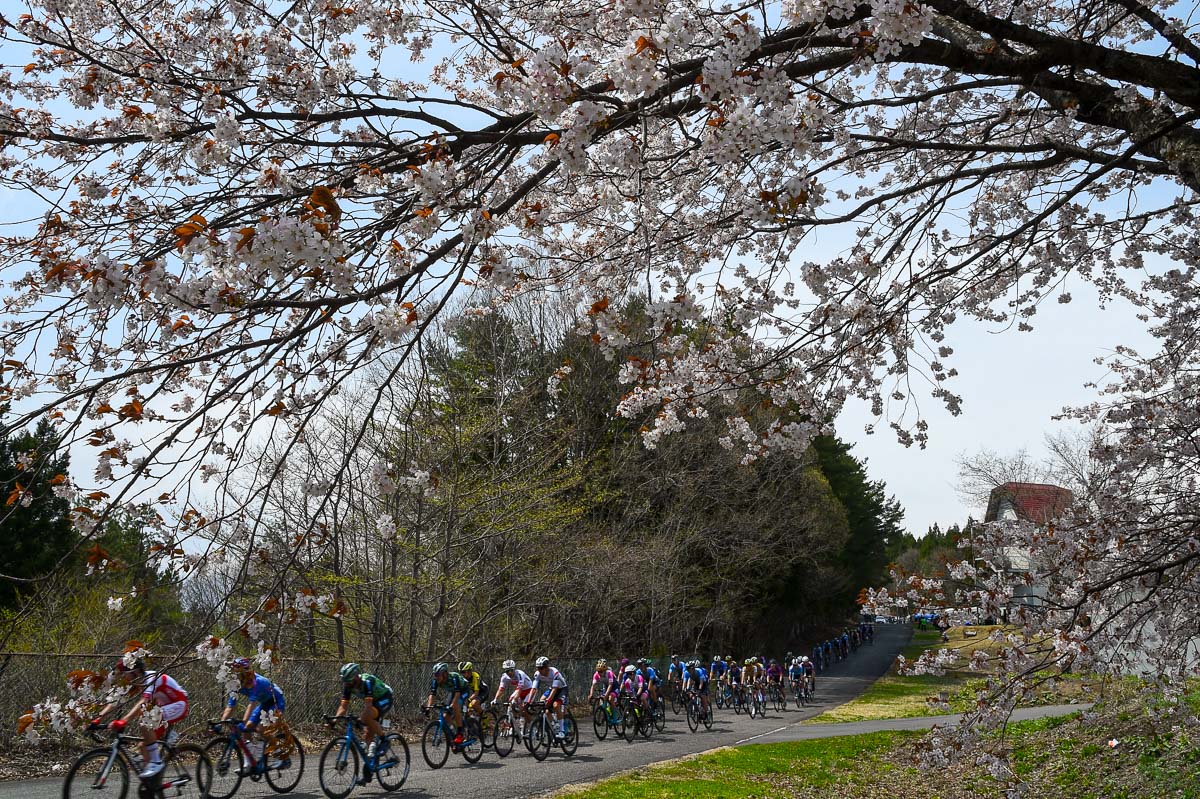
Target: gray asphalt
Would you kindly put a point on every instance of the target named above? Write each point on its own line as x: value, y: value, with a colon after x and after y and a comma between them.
x: 519, y: 775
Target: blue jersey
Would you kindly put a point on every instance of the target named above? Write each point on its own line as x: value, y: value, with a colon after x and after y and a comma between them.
x: 717, y: 668
x: 699, y: 675
x: 675, y: 670
x: 652, y: 674
x: 796, y: 672
x: 262, y: 691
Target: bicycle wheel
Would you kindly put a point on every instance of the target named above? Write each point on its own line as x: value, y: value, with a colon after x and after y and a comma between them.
x: 435, y: 744
x: 737, y: 705
x: 570, y: 741
x: 628, y: 728
x: 92, y: 775
x: 187, y: 773
x: 472, y: 745
x: 503, y: 733
x: 600, y: 722
x: 337, y: 770
x: 676, y: 704
x: 284, y: 775
x: 708, y: 716
x: 393, y: 765
x: 645, y: 723
x: 540, y: 736
x: 228, y: 762
x: 487, y: 726
x: 659, y: 715
x: 693, y: 716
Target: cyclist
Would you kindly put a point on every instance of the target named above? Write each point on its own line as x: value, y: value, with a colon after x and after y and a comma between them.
x: 554, y: 686
x: 377, y: 701
x: 675, y: 674
x: 696, y: 679
x: 456, y: 689
x: 521, y: 684
x: 775, y: 675
x: 632, y: 684
x: 758, y: 677
x: 159, y: 691
x: 796, y: 676
x: 604, y: 682
x: 716, y: 670
x: 653, y: 682
x: 476, y: 687
x: 733, y: 675
x: 810, y: 673
x: 263, y: 696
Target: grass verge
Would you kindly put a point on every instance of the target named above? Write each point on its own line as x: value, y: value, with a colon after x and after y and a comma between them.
x: 1067, y: 757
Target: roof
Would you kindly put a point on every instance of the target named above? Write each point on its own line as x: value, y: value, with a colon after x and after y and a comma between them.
x: 1034, y: 502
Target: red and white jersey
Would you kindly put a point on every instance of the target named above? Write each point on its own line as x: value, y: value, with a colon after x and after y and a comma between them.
x: 163, y: 689
x: 520, y: 680
x: 553, y: 678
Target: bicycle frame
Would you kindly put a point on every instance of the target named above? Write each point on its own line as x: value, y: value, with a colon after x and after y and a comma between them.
x: 351, y: 737
x: 117, y: 749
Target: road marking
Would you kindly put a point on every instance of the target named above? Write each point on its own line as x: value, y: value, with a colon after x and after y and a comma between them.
x: 762, y: 735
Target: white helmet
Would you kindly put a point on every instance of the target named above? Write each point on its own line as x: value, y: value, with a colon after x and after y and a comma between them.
x: 542, y: 661
x: 631, y: 669
x: 508, y: 664
x: 804, y: 659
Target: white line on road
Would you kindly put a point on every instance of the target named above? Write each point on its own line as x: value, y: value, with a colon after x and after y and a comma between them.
x: 762, y: 735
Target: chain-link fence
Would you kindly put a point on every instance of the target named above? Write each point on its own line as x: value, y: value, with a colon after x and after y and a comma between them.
x: 311, y: 687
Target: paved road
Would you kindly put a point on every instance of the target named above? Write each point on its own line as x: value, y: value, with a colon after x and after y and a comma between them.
x: 519, y: 775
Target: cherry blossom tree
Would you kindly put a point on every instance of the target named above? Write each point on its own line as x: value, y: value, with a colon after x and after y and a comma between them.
x: 232, y: 208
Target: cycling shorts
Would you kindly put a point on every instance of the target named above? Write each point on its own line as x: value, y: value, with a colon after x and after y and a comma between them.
x: 520, y: 695
x: 382, y: 706
x: 171, y: 713
x: 562, y: 695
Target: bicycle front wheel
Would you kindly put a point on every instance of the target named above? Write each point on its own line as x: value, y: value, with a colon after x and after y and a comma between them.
x: 693, y: 716
x: 540, y: 736
x: 435, y: 745
x: 504, y: 734
x: 394, y: 764
x: 187, y: 773
x: 283, y: 775
x: 600, y: 722
x: 570, y: 741
x: 93, y: 776
x: 472, y: 746
x: 228, y: 763
x: 338, y: 768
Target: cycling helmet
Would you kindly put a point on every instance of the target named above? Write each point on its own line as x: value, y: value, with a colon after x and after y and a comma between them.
x: 674, y: 657
x: 641, y: 661
x: 601, y: 664
x: 542, y: 661
x: 631, y: 669
x: 730, y: 658
x: 350, y: 671
x: 624, y: 662
x: 773, y: 663
x: 240, y: 664
x: 508, y: 665
x: 804, y: 659
x: 748, y: 662
x: 441, y: 668
x: 649, y: 662
x: 466, y: 666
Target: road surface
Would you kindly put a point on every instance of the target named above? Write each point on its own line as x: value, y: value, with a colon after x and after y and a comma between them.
x: 519, y: 775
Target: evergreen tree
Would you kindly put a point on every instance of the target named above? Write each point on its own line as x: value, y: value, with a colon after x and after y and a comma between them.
x: 36, y: 533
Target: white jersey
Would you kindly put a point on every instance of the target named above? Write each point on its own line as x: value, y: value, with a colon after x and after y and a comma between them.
x: 163, y: 689
x: 552, y: 679
x: 521, y: 681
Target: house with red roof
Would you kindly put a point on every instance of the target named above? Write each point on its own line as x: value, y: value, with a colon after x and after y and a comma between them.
x: 1039, y: 503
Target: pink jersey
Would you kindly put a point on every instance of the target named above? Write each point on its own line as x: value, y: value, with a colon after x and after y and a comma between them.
x: 607, y: 678
x: 633, y: 684
x: 163, y: 690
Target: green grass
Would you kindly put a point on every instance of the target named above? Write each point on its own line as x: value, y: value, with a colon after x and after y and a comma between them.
x: 1063, y: 757
x: 785, y: 769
